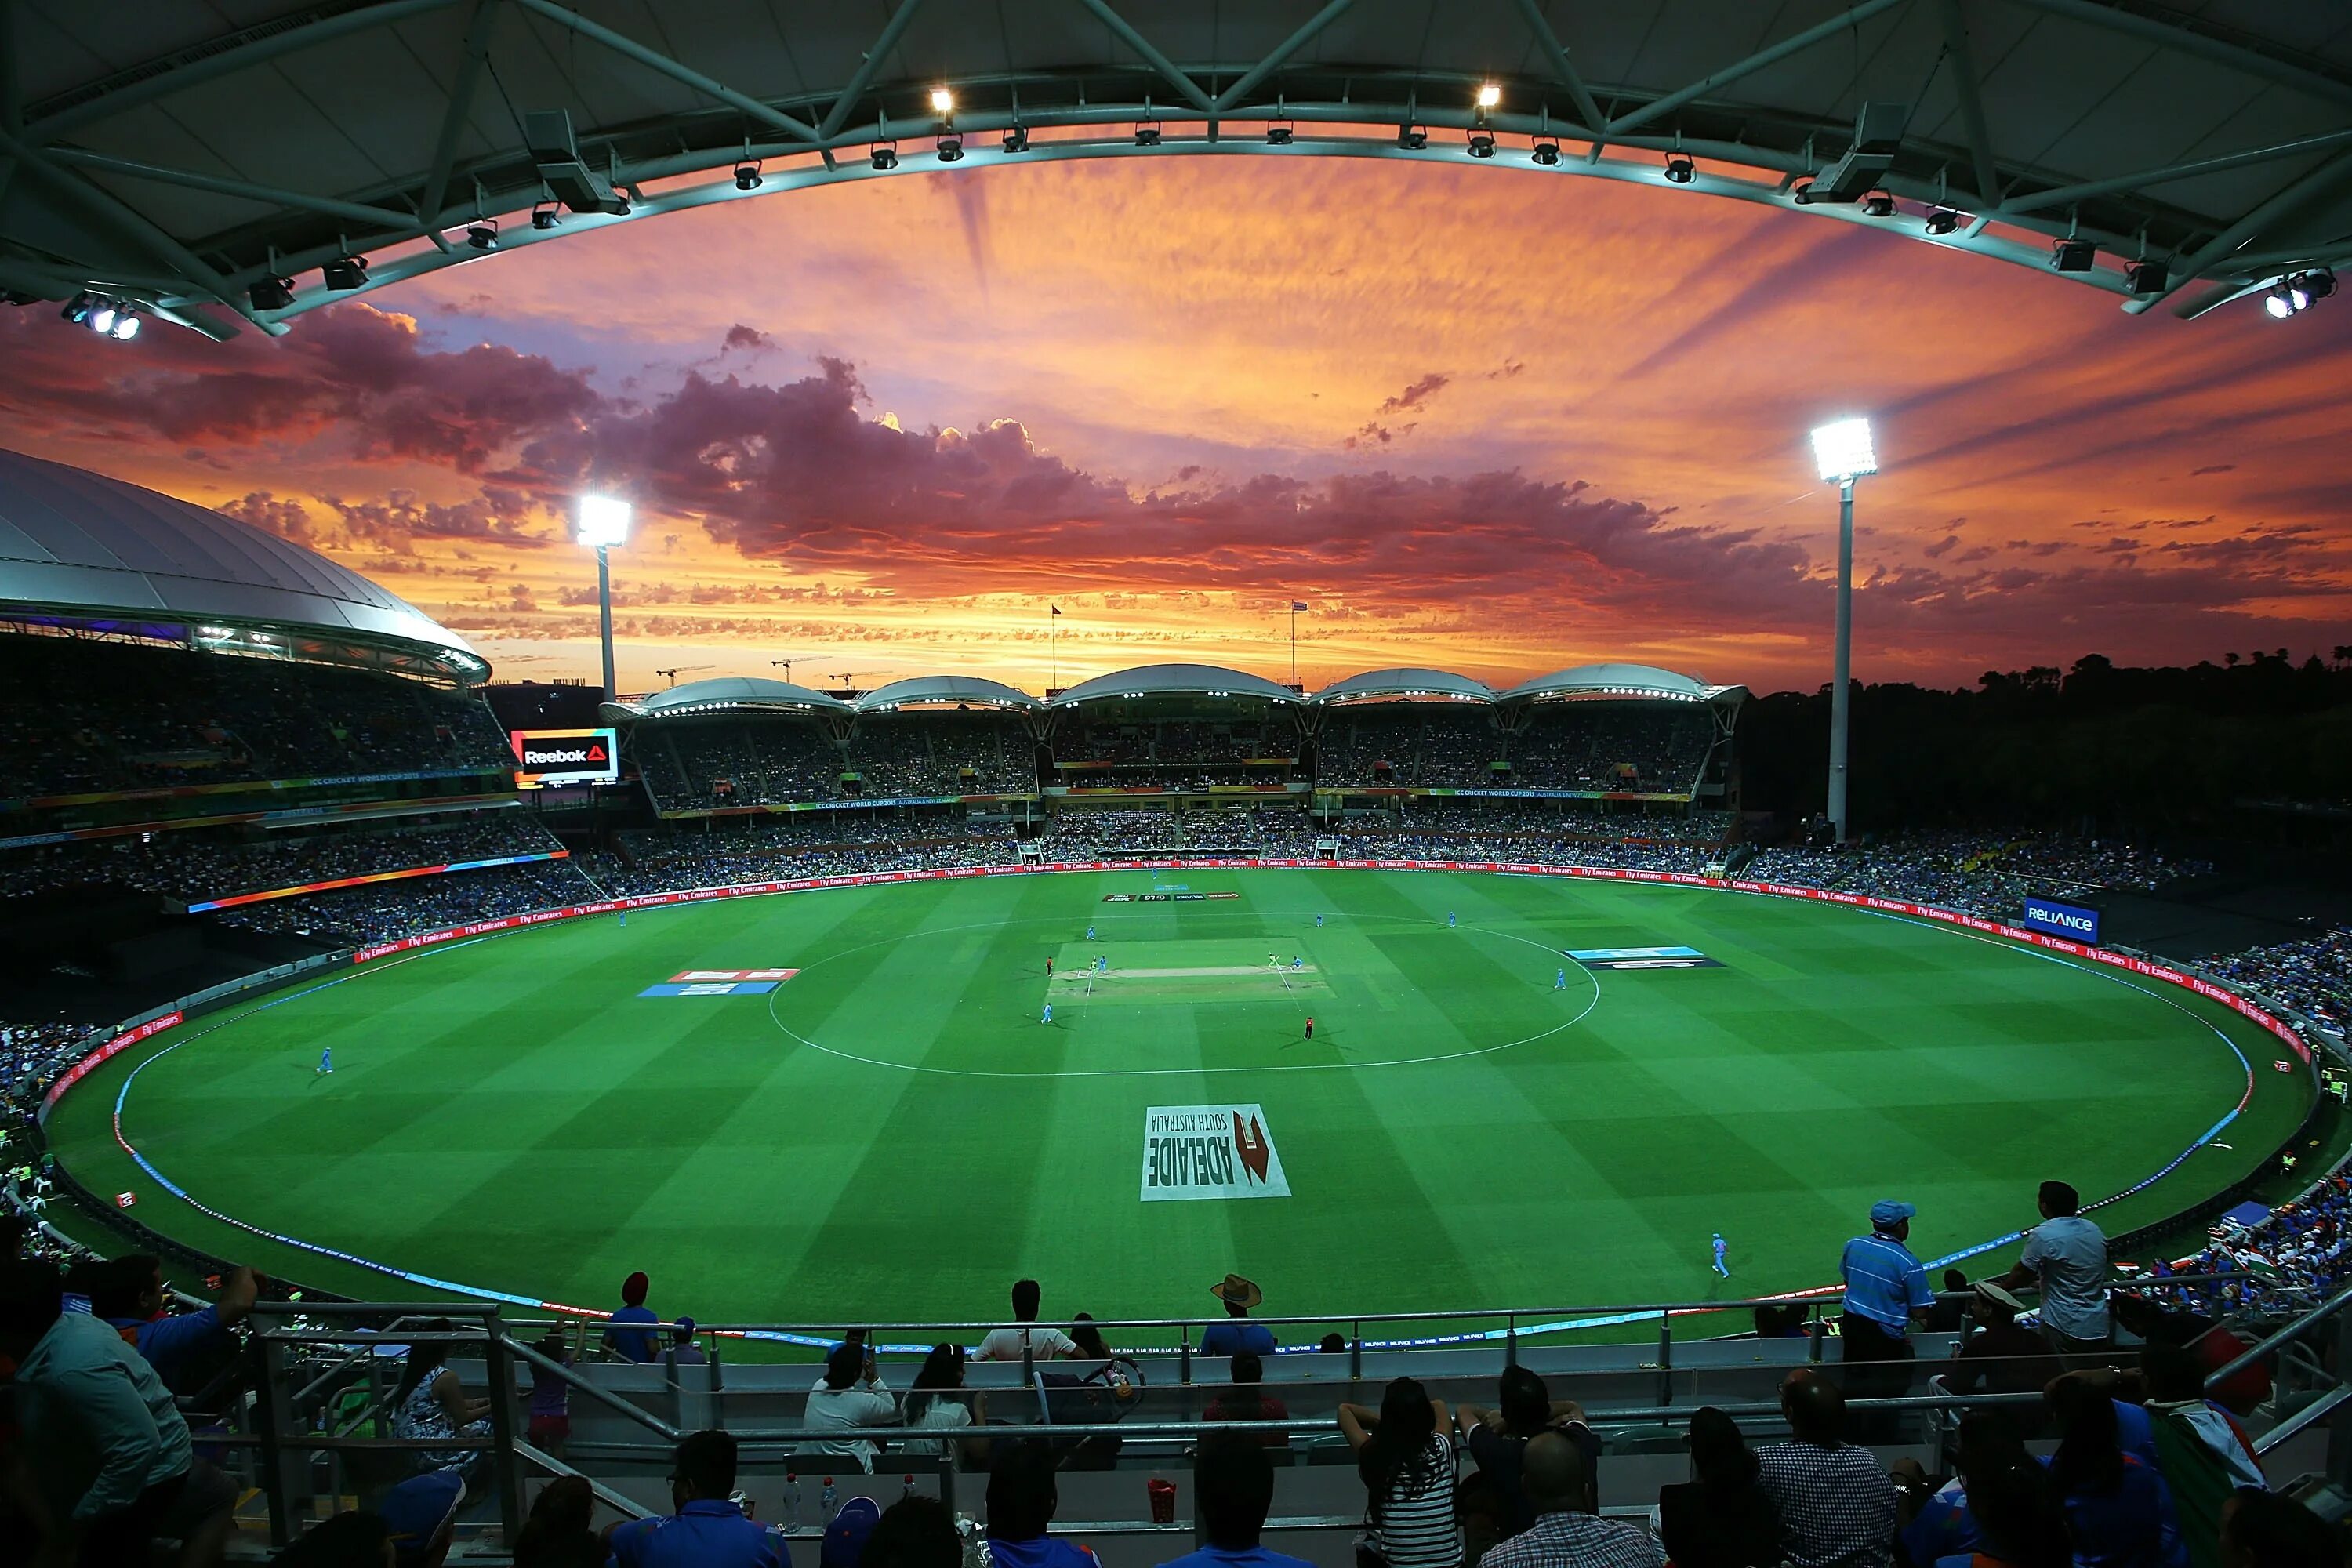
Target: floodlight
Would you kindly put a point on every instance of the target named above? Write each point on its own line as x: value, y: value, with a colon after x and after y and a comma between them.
x: 2071, y: 254
x: 2319, y: 284
x: 345, y: 272
x: 942, y: 101
x: 1680, y: 169
x: 1942, y: 220
x: 126, y: 326
x: 2148, y: 277
x: 272, y: 293
x: 1841, y: 450
x: 603, y: 522
x: 884, y: 155
x: 1482, y: 143
x: 1878, y: 204
x: 545, y: 216
x: 2278, y: 302
x: 1547, y: 153
x: 748, y: 176
x: 1146, y: 133
x: 1278, y: 135
x: 102, y: 319
x: 2297, y: 295
x: 1412, y: 138
x: 950, y: 148
x: 482, y: 234
x: 1802, y: 193
x: 1489, y: 95
x: 1016, y: 139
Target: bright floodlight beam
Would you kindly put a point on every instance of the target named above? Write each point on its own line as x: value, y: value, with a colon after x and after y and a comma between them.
x: 942, y: 102
x: 1841, y: 451
x: 603, y: 523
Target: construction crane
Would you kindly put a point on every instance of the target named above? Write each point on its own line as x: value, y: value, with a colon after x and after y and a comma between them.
x: 845, y: 677
x: 676, y: 670
x: 786, y: 664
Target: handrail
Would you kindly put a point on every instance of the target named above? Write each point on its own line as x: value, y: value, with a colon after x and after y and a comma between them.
x: 2293, y: 1331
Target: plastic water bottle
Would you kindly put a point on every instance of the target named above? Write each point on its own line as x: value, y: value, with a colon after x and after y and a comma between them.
x: 831, y: 1503
x: 792, y: 1498
x: 909, y: 1490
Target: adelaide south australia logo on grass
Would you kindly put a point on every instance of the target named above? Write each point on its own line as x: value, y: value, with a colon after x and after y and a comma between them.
x: 1210, y: 1152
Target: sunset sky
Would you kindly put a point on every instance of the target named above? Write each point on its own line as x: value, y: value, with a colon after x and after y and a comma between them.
x: 1477, y: 418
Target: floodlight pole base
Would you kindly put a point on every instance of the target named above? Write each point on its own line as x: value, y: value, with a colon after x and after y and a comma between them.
x: 1841, y: 678
x: 604, y: 609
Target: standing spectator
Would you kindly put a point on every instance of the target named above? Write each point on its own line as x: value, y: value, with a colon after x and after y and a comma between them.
x: 1885, y: 1288
x: 558, y: 1534
x: 849, y: 1395
x: 633, y: 1344
x: 916, y: 1532
x: 1237, y: 1334
x: 188, y: 1349
x: 1494, y: 1504
x: 1564, y: 1535
x: 430, y: 1402
x: 1233, y: 1483
x: 707, y: 1530
x: 2066, y: 1254
x: 1836, y: 1506
x: 1021, y: 1503
x: 1720, y: 1517
x: 550, y: 1395
x: 104, y: 1443
x: 1246, y: 1400
x: 1407, y: 1467
x: 2118, y: 1509
x: 1037, y: 1343
x: 2263, y: 1529
x: 937, y: 1400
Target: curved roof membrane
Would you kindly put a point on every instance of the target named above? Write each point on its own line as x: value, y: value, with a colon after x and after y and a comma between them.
x: 729, y: 694
x: 1433, y: 684
x: 178, y: 155
x: 83, y: 547
x: 1626, y: 681
x: 1175, y: 680
x: 940, y: 690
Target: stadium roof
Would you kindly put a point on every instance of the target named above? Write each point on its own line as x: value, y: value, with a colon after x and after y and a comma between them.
x: 1406, y: 683
x: 179, y: 154
x: 945, y: 689
x: 104, y: 555
x: 1618, y: 680
x: 1175, y: 680
x: 726, y: 694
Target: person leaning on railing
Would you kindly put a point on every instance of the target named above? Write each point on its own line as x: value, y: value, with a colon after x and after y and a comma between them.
x: 1407, y: 1467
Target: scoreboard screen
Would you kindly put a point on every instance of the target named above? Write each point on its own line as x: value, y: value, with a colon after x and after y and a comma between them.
x: 544, y: 758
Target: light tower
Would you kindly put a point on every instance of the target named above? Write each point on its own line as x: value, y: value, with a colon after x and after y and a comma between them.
x: 603, y: 523
x: 1841, y: 451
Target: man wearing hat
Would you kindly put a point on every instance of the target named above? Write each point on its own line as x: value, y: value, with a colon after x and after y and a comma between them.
x: 1885, y: 1288
x: 1237, y: 1334
x: 1999, y: 1355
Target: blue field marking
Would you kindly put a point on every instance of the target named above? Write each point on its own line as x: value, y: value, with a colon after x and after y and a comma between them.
x: 710, y: 988
x: 1609, y: 954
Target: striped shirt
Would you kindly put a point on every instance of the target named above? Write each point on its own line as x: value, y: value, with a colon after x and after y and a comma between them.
x: 1884, y: 1282
x: 1415, y: 1523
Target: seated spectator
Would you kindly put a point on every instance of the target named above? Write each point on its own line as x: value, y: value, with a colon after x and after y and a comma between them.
x: 188, y: 1349
x: 559, y: 1532
x: 1836, y: 1506
x: 916, y: 1532
x: 1247, y: 1401
x: 104, y: 1445
x: 938, y: 1400
x: 1784, y: 1322
x: 1238, y: 1334
x: 430, y: 1403
x: 849, y: 1395
x: 1493, y: 1502
x: 1333, y: 1343
x: 1949, y: 1315
x: 684, y: 1350
x: 2202, y: 1453
x: 420, y: 1516
x: 633, y: 1344
x: 2214, y: 1345
x: 1720, y: 1517
x: 1999, y: 1355
x: 1086, y: 1342
x: 1407, y: 1467
x: 2118, y: 1509
x: 707, y: 1530
x: 1032, y: 1340
x: 2264, y: 1530
x: 357, y: 1538
x: 1233, y: 1482
x: 1563, y: 1532
x: 1021, y: 1499
x: 1942, y: 1523
x: 2019, y: 1521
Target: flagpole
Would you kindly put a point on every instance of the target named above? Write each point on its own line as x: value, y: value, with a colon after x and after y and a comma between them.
x: 1053, y: 650
x: 1294, y: 645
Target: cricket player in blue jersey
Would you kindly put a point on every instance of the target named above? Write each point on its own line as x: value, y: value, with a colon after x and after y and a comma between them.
x: 327, y: 1059
x: 1559, y: 980
x: 1449, y: 920
x: 1719, y: 1250
x: 1049, y: 1013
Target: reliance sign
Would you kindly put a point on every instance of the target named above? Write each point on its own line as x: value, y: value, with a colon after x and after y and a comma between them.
x: 2054, y: 918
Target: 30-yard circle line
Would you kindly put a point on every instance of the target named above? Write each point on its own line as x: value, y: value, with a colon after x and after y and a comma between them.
x: 789, y: 1033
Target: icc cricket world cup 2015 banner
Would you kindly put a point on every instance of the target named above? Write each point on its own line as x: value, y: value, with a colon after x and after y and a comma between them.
x: 1210, y: 1152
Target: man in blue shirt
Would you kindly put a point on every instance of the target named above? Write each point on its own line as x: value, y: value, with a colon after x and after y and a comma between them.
x: 1238, y: 1334
x: 707, y: 1530
x: 186, y: 1350
x: 633, y: 1344
x: 1233, y: 1489
x: 1885, y: 1288
x: 1022, y: 1500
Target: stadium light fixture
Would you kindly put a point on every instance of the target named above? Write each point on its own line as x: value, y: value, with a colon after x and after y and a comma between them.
x: 126, y: 325
x: 884, y: 156
x: 1547, y: 152
x: 942, y: 101
x: 603, y: 522
x: 1489, y: 94
x: 1680, y: 169
x: 2279, y: 303
x: 270, y: 294
x: 1878, y: 204
x: 482, y: 234
x: 1482, y: 143
x: 1942, y: 220
x: 345, y: 272
x: 2147, y: 278
x: 1842, y: 452
x: 2071, y: 255
x: 1016, y: 139
x: 1280, y: 134
x: 748, y: 176
x: 1412, y: 138
x: 950, y: 148
x: 1146, y: 133
x: 545, y: 216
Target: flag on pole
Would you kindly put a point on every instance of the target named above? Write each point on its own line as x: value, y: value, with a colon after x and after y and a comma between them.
x: 1056, y: 609
x: 1297, y: 603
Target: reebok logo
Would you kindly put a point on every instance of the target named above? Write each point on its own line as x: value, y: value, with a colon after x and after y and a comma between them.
x: 1210, y: 1152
